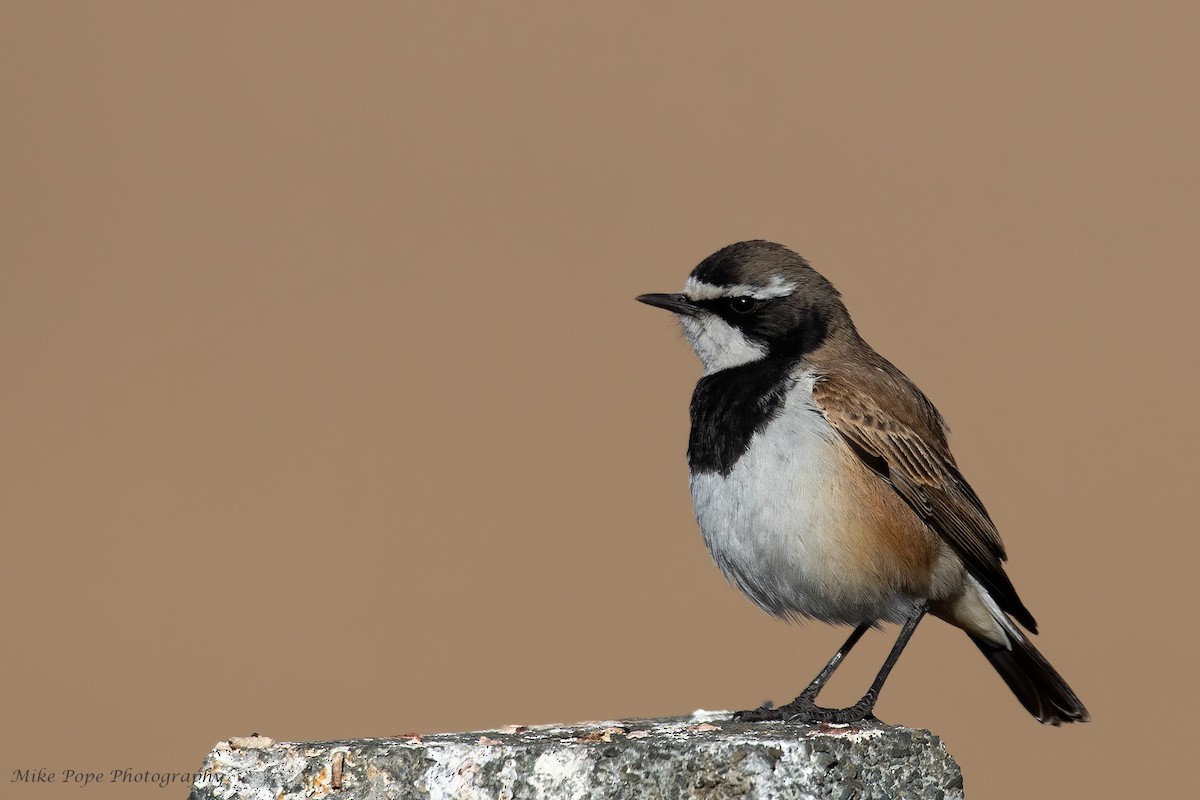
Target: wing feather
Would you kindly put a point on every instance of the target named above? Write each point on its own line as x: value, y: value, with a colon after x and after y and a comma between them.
x: 920, y: 469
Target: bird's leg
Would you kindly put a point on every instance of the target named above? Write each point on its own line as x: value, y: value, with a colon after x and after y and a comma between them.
x: 818, y: 683
x: 804, y: 707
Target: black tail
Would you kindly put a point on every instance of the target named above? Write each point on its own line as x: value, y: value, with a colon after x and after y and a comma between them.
x: 1040, y: 689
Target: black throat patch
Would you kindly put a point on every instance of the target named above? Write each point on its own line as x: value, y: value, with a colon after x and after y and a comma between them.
x: 730, y: 406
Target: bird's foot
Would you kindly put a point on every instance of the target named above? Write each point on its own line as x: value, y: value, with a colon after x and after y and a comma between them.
x: 764, y: 713
x: 804, y: 710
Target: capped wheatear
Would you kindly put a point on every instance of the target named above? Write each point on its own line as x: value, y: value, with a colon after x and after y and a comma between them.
x: 824, y: 486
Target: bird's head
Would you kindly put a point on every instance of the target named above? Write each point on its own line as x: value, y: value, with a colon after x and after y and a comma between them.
x: 754, y: 300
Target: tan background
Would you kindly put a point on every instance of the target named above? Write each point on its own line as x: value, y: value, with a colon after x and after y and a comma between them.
x: 327, y: 410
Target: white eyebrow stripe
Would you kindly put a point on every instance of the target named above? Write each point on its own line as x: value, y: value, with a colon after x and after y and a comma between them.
x: 696, y: 289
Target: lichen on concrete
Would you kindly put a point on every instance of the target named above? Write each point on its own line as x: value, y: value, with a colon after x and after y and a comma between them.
x: 706, y: 755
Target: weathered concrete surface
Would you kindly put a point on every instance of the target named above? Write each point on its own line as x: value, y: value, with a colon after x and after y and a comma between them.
x: 705, y: 756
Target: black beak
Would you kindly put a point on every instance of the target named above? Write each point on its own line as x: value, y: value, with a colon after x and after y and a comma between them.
x: 671, y: 302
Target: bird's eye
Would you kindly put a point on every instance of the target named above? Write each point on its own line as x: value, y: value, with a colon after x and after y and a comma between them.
x: 743, y: 305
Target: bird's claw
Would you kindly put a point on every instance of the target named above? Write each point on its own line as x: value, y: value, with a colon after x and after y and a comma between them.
x: 805, y: 711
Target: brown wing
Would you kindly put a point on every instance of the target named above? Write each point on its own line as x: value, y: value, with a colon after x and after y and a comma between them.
x: 922, y: 471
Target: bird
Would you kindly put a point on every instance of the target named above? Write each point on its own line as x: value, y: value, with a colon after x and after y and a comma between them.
x: 824, y: 487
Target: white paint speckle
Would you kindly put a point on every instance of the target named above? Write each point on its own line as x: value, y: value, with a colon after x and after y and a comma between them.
x: 701, y: 715
x: 455, y: 770
x: 561, y: 773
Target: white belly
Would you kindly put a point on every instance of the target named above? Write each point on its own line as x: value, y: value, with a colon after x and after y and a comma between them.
x: 773, y: 527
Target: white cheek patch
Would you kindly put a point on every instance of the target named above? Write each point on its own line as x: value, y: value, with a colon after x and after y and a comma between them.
x: 696, y: 289
x: 718, y: 344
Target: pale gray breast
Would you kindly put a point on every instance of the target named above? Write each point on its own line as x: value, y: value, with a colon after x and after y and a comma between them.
x: 773, y: 526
